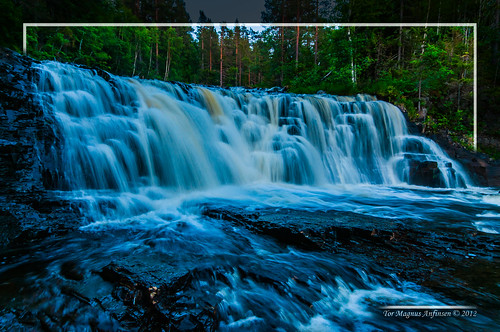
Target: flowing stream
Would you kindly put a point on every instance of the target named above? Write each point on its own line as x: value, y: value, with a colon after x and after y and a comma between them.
x: 125, y: 134
x: 145, y: 158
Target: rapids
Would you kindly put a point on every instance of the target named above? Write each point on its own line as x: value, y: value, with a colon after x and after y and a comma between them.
x: 145, y: 158
x: 124, y: 134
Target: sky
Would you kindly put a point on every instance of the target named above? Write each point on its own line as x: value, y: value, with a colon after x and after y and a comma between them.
x: 248, y: 11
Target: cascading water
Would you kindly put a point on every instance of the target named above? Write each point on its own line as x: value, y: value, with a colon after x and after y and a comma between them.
x: 122, y: 134
x: 154, y: 164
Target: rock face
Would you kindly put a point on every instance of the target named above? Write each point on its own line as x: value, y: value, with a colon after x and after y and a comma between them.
x: 29, y: 156
x: 483, y: 170
x: 425, y: 173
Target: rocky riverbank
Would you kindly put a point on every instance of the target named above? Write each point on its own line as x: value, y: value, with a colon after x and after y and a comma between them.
x: 137, y: 292
x: 484, y: 170
x: 29, y: 157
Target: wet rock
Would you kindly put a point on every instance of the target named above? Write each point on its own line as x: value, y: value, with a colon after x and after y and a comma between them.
x: 279, y: 231
x: 413, y: 128
x: 70, y: 270
x: 441, y: 257
x: 166, y: 306
x: 493, y: 175
x: 425, y: 173
x: 293, y: 130
x: 29, y: 159
x: 483, y: 170
x: 9, y: 227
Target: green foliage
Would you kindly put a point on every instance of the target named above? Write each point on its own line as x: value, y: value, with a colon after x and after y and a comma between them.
x: 127, y: 51
x: 10, y: 15
x: 425, y: 72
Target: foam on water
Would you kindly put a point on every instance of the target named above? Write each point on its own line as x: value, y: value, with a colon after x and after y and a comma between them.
x: 145, y: 157
x: 123, y: 134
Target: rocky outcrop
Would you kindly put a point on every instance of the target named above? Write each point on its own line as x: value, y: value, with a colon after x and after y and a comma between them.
x: 167, y: 306
x: 29, y: 157
x: 483, y: 170
x: 425, y: 173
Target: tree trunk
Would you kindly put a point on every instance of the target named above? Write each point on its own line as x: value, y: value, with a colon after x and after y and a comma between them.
x: 297, y: 40
x: 353, y: 68
x: 137, y: 8
x: 157, y: 56
x: 240, y: 70
x: 150, y: 60
x: 167, y: 62
x: 167, y: 66
x: 156, y: 11
x: 422, y: 47
x: 297, y: 48
x: 237, y: 67
x: 202, y: 53
x: 316, y: 35
x: 439, y: 17
x: 428, y: 11
x: 135, y: 58
x: 221, y: 53
x: 316, y: 47
x: 400, y: 42
x: 282, y: 42
x: 156, y: 46
x: 419, y: 105
x: 210, y: 53
x: 282, y: 54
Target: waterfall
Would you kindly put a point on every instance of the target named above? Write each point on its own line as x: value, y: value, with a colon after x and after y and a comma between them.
x: 123, y: 133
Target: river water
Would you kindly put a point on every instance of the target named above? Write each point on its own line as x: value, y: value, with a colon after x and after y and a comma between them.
x: 144, y: 158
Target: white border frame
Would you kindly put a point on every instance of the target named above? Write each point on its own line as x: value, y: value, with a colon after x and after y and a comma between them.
x: 194, y: 25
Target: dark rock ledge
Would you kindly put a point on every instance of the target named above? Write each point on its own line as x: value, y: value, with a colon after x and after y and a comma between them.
x: 29, y: 154
x: 483, y: 170
x: 459, y: 263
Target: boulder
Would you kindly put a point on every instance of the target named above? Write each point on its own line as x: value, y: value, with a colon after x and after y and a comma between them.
x: 425, y: 173
x: 483, y: 170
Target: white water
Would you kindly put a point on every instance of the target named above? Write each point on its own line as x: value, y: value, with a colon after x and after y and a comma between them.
x: 125, y: 134
x: 146, y: 155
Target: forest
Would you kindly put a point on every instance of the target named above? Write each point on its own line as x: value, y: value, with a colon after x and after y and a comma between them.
x: 209, y: 175
x: 426, y: 71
